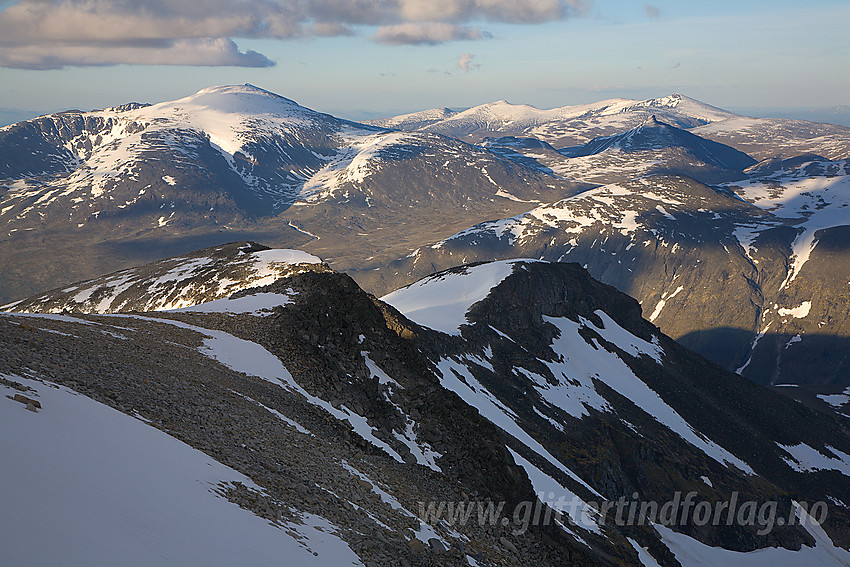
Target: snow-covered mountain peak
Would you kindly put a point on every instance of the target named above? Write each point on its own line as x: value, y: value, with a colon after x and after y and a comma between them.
x: 240, y: 99
x: 652, y: 121
x: 670, y: 101
x: 229, y: 114
x: 500, y: 110
x: 414, y: 120
x: 271, y: 144
x: 246, y: 88
x: 680, y: 103
x: 652, y: 132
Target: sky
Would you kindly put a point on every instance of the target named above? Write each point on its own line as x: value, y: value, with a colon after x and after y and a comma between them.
x: 370, y: 58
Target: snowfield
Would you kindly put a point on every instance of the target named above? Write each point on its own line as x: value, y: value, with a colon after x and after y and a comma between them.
x: 89, y: 485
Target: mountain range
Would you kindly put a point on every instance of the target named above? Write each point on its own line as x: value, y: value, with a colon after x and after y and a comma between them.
x: 114, y: 188
x: 576, y: 125
x: 627, y: 301
x: 121, y: 186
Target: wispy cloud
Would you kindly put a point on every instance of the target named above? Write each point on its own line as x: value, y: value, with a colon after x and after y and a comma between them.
x: 652, y: 11
x: 466, y: 63
x: 46, y: 34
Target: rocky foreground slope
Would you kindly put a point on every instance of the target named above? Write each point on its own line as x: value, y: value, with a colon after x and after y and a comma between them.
x: 338, y: 420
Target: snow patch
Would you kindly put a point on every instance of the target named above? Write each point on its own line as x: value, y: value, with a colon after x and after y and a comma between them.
x: 836, y: 400
x: 692, y: 553
x: 441, y: 301
x: 257, y: 304
x: 797, y: 312
x: 558, y: 497
x: 805, y: 458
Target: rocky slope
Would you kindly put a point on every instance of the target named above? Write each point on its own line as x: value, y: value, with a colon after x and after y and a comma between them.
x: 332, y: 413
x: 204, y: 276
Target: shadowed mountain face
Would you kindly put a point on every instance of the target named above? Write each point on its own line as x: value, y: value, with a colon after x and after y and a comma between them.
x: 346, y: 411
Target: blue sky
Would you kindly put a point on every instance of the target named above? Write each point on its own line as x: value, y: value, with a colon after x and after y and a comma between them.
x: 764, y: 54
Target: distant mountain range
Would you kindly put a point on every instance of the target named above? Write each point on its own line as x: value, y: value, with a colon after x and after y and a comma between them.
x: 117, y: 187
x: 828, y: 114
x: 565, y: 126
x: 576, y: 125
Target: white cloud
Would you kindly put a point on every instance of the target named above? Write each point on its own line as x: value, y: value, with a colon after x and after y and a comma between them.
x: 465, y: 62
x: 54, y: 33
x: 198, y: 52
x: 425, y: 33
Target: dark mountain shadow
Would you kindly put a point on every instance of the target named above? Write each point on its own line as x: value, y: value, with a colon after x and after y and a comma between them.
x: 726, y: 346
x: 826, y: 398
x: 778, y: 358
